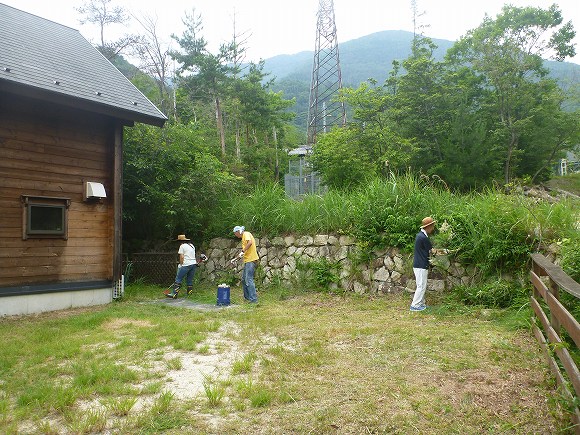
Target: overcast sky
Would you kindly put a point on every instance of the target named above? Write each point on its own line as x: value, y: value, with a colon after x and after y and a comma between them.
x: 288, y: 26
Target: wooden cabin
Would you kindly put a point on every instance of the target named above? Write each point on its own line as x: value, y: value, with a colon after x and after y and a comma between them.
x: 63, y: 108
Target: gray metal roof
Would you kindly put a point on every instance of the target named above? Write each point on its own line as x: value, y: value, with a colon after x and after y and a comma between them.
x: 302, y: 150
x: 44, y: 59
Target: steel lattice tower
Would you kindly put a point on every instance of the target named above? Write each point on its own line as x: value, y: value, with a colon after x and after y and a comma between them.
x: 323, y: 111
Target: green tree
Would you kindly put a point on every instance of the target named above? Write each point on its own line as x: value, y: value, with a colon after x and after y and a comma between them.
x: 172, y: 183
x: 371, y: 145
x: 338, y: 158
x: 506, y: 52
x: 419, y: 104
x: 203, y: 75
x: 263, y: 115
x: 551, y: 132
x: 466, y: 159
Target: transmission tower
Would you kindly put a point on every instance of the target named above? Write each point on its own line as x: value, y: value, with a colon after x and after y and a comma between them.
x: 324, y: 111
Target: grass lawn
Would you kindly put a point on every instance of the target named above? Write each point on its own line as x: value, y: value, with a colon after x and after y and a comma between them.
x: 569, y: 183
x: 296, y: 363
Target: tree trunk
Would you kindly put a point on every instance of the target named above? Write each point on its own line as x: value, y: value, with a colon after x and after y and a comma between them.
x: 220, y: 125
x: 277, y: 168
x: 511, y: 148
x: 254, y: 137
x: 545, y: 165
x: 238, y: 154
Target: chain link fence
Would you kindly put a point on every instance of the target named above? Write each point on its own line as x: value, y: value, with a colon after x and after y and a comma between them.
x: 151, y: 267
x: 302, y: 180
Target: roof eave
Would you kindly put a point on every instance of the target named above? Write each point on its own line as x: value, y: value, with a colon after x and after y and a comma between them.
x: 127, y: 117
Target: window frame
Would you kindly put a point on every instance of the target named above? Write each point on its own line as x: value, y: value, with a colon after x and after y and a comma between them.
x: 31, y: 202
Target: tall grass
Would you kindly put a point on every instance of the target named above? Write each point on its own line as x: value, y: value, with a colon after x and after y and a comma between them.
x: 489, y: 230
x: 268, y: 210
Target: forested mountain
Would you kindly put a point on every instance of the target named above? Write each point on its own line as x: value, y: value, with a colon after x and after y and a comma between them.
x: 368, y: 57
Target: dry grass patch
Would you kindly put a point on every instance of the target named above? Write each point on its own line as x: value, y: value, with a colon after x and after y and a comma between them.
x: 118, y: 324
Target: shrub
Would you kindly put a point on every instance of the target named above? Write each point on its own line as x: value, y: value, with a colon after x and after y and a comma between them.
x: 386, y: 213
x: 319, y: 273
x: 570, y: 257
x: 491, y: 231
x: 494, y: 294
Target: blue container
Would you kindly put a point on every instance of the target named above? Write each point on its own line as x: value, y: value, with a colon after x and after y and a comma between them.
x: 223, y: 295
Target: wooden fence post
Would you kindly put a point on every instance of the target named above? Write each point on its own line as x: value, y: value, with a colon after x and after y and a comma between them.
x: 552, y: 344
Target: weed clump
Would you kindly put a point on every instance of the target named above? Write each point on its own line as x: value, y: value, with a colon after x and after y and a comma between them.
x: 494, y: 294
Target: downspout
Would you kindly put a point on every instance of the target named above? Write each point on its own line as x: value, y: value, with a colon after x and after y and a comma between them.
x: 117, y: 204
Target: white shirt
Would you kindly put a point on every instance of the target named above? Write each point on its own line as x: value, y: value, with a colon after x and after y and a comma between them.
x: 188, y: 252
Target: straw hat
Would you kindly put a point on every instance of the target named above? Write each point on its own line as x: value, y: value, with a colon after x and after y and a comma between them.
x: 182, y: 237
x: 427, y: 222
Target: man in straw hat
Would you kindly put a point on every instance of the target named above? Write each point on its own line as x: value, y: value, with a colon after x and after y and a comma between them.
x: 186, y: 267
x: 423, y: 248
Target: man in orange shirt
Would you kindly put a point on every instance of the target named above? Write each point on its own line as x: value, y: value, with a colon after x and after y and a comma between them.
x: 250, y: 255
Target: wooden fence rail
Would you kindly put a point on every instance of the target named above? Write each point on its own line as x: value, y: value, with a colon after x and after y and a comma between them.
x: 559, y: 318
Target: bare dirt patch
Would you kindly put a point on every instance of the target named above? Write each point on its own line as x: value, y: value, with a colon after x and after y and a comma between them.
x: 214, y: 364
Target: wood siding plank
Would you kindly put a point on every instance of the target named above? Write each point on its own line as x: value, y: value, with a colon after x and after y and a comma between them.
x: 51, y: 151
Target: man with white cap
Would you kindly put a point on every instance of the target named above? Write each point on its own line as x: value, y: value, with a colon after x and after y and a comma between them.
x: 423, y: 248
x: 250, y: 255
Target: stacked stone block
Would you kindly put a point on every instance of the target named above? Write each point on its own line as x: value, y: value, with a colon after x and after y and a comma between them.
x: 388, y: 270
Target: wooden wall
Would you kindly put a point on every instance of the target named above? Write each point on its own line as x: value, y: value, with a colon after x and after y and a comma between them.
x: 48, y: 150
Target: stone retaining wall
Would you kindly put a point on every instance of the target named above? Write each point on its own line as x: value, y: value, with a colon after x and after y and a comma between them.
x: 285, y: 258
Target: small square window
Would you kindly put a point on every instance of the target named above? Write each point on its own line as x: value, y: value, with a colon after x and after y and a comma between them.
x: 45, y: 217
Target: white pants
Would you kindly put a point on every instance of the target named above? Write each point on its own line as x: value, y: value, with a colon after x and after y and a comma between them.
x: 421, y: 278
